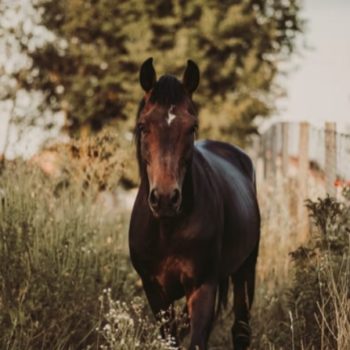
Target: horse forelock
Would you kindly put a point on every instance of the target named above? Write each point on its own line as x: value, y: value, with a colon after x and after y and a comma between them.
x: 168, y: 91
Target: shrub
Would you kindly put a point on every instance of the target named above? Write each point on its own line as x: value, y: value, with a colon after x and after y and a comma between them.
x: 321, y: 291
x: 99, y: 162
x: 312, y: 312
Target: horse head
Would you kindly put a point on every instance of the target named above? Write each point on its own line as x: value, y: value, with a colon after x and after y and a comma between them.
x: 166, y: 126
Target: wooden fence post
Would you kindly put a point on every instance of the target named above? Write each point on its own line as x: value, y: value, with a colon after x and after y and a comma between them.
x: 303, y: 158
x: 256, y: 154
x: 285, y: 150
x: 330, y: 158
x: 267, y: 154
x: 303, y: 178
x: 254, y: 149
x: 274, y: 154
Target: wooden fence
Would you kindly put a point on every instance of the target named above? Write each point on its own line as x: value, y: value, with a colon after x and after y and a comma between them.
x: 301, y: 150
x: 296, y: 161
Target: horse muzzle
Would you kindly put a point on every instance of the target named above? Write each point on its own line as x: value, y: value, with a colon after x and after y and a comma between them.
x: 165, y: 203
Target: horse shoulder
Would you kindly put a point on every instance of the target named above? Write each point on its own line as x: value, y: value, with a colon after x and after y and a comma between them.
x: 230, y: 153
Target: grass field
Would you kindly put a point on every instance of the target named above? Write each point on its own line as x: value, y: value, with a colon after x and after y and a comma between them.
x: 66, y: 280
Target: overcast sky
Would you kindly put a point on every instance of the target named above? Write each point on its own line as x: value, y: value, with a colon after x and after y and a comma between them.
x: 318, y: 85
x: 319, y: 89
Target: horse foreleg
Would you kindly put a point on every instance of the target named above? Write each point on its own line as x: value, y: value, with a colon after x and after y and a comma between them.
x: 201, y: 305
x: 162, y: 309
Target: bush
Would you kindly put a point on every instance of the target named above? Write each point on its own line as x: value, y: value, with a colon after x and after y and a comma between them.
x: 313, y: 311
x: 321, y: 290
x: 99, y: 162
x: 57, y: 254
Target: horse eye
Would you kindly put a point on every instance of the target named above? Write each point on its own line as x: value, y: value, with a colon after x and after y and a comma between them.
x: 141, y: 127
x: 193, y: 129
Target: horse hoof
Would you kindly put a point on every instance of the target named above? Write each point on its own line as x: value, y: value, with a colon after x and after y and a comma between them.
x: 241, y: 334
x: 241, y: 343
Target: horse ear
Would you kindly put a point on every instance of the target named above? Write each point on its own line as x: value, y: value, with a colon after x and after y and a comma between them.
x: 191, y: 77
x: 148, y: 75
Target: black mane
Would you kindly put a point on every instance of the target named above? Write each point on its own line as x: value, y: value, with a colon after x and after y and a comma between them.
x: 168, y: 91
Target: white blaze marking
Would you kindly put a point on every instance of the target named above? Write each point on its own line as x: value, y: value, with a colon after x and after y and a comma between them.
x: 171, y: 115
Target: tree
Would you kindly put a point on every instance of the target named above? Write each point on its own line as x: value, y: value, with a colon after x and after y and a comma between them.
x: 20, y: 106
x: 90, y: 69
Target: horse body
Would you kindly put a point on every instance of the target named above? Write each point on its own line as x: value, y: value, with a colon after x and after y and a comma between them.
x: 213, y: 237
x: 234, y: 173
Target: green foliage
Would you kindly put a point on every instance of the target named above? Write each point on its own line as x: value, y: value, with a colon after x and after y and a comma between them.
x: 100, y: 162
x: 57, y: 254
x: 313, y: 313
x: 90, y: 68
x: 322, y: 277
x: 65, y: 280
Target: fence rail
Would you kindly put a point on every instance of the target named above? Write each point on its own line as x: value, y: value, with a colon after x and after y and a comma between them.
x: 296, y: 161
x: 294, y: 149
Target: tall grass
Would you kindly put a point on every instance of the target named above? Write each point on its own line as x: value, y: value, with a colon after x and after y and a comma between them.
x: 66, y: 281
x: 58, y: 252
x: 309, y: 307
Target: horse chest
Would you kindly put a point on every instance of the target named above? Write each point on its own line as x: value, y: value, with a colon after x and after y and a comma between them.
x: 174, y: 271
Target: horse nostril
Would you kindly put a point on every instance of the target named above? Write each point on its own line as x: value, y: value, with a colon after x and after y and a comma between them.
x: 154, y: 198
x: 175, y: 197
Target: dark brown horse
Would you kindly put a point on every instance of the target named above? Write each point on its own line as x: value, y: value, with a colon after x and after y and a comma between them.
x: 195, y: 223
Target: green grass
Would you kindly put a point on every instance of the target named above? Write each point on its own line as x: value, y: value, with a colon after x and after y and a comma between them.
x: 66, y: 281
x: 57, y: 255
